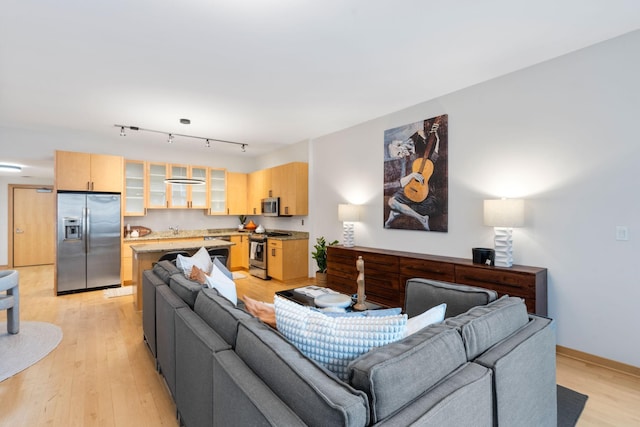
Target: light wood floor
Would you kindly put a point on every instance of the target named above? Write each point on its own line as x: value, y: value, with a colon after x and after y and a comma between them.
x: 102, y: 374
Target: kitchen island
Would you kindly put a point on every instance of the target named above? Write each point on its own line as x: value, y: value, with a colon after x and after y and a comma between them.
x: 145, y: 255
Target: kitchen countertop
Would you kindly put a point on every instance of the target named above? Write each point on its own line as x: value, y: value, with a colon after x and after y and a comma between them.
x: 176, y: 246
x: 212, y: 232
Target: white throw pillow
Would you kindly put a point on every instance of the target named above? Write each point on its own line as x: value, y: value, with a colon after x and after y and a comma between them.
x: 333, y: 342
x: 225, y: 286
x: 201, y: 259
x: 429, y: 317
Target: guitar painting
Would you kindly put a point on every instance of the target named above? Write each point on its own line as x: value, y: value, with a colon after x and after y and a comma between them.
x: 418, y: 189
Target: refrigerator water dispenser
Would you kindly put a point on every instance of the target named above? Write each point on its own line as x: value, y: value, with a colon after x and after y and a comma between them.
x: 71, y: 229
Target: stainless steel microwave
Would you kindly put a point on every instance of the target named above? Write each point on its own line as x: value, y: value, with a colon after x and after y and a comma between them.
x: 271, y: 206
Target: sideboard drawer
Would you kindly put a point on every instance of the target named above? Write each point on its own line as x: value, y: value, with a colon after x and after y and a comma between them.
x: 426, y: 269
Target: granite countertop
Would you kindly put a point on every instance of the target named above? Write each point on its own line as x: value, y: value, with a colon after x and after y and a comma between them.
x: 212, y: 232
x: 175, y: 246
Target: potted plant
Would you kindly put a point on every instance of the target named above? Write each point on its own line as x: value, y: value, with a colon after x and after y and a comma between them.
x: 242, y: 219
x: 320, y: 256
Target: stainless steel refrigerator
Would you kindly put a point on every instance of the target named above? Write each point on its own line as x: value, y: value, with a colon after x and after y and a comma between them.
x: 88, y: 246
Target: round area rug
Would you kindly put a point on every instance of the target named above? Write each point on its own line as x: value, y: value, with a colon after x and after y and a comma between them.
x: 34, y: 341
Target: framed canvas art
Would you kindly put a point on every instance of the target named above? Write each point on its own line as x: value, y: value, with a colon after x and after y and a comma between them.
x: 416, y: 176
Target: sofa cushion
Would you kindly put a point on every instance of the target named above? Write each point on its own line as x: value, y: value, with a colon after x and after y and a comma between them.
x: 333, y: 342
x: 422, y: 294
x: 483, y: 326
x: 201, y: 258
x: 164, y: 270
x: 225, y: 286
x: 314, y: 394
x: 429, y: 317
x: 396, y: 374
x: 220, y: 314
x: 186, y: 289
x: 463, y: 398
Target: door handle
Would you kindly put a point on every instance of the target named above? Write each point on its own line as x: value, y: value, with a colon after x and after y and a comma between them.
x: 19, y: 231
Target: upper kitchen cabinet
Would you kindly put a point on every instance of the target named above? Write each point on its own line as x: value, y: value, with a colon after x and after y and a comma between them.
x: 157, y: 196
x: 135, y: 188
x: 88, y: 172
x: 217, y: 191
x: 236, y: 193
x: 290, y: 182
x: 193, y: 196
x: 258, y: 187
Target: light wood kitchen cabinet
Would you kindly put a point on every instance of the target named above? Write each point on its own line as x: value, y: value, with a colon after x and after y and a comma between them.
x: 287, y: 259
x: 290, y: 182
x: 258, y: 188
x: 156, y: 187
x: 217, y: 191
x: 239, y: 256
x: 126, y: 259
x: 236, y: 193
x: 135, y: 188
x: 88, y: 172
x: 189, y: 195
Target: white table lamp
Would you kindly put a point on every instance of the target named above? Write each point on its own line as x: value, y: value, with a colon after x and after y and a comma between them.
x: 348, y: 214
x: 503, y: 215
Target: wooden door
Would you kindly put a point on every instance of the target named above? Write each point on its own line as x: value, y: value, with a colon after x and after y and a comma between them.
x: 33, y: 226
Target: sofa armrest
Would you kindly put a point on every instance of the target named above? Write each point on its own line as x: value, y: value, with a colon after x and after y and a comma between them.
x: 196, y: 343
x: 149, y: 283
x: 237, y: 386
x: 423, y: 294
x: 524, y: 375
x: 167, y: 302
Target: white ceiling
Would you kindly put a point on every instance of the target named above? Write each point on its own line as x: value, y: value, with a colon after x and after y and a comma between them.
x: 268, y: 72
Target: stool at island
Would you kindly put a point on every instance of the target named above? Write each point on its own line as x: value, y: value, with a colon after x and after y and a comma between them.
x: 10, y: 299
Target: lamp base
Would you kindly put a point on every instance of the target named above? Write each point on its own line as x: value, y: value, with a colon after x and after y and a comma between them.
x: 348, y: 235
x: 503, y: 241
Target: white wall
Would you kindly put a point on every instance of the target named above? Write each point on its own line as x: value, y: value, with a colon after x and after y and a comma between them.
x: 563, y: 136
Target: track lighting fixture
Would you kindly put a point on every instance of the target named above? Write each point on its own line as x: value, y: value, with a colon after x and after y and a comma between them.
x: 171, y: 136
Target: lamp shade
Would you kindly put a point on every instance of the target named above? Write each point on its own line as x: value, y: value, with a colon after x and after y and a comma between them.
x: 504, y: 213
x: 348, y: 213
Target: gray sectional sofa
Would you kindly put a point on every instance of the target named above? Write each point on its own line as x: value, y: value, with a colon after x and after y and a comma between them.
x: 489, y: 363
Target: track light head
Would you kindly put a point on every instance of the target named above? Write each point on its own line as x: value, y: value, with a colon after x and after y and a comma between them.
x: 122, y: 131
x: 207, y: 144
x: 244, y: 147
x: 170, y: 140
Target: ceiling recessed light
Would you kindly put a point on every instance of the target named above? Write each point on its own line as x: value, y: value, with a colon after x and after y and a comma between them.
x: 185, y: 121
x: 10, y: 168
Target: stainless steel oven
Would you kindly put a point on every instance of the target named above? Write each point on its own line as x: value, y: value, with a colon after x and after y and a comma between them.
x: 258, y: 255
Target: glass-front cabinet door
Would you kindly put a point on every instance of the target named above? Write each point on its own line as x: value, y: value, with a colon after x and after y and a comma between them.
x: 189, y: 195
x: 178, y: 192
x: 218, y: 191
x: 157, y: 189
x: 134, y: 188
x: 198, y: 193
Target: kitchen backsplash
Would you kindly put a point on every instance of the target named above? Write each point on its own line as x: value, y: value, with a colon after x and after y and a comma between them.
x: 186, y: 219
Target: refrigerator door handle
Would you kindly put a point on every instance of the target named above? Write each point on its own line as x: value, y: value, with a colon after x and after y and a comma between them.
x: 87, y: 229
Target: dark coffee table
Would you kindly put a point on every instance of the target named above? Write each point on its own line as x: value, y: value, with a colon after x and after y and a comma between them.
x: 303, y: 299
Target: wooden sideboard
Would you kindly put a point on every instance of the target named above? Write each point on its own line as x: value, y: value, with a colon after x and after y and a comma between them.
x: 386, y: 273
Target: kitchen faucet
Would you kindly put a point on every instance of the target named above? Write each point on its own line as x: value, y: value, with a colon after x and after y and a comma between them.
x: 175, y: 229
